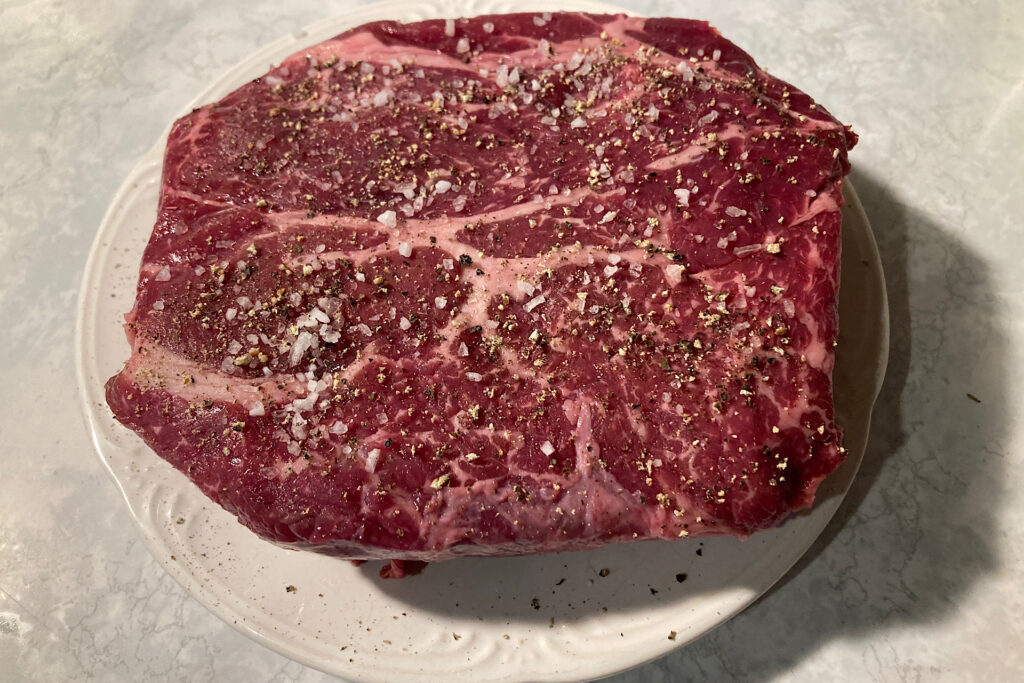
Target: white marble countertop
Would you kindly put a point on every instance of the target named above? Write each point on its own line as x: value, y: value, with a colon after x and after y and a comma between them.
x: 921, y: 574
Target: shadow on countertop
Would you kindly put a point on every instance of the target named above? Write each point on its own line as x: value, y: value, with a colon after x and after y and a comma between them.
x: 918, y: 527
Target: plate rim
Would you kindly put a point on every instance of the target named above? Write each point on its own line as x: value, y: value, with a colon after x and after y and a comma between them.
x: 92, y: 414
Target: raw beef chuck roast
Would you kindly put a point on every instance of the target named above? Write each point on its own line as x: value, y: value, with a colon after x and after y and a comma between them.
x: 494, y: 286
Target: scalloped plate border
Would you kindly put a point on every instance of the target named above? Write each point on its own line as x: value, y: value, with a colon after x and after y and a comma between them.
x: 240, y: 578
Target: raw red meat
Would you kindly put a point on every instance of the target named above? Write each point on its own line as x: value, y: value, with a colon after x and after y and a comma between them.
x: 494, y: 286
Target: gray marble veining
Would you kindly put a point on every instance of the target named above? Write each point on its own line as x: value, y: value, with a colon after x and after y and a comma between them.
x: 917, y: 578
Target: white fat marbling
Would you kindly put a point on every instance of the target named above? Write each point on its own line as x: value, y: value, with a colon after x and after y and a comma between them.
x: 920, y: 575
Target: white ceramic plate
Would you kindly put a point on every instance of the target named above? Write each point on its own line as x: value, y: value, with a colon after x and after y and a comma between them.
x: 470, y: 619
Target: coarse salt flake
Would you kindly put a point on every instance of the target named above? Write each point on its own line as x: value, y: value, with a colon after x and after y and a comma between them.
x: 707, y: 118
x: 371, y: 459
x: 299, y: 348
x: 685, y: 70
x: 533, y: 303
x: 674, y: 273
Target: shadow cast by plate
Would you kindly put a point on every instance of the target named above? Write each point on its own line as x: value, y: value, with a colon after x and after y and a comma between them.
x: 622, y: 578
x: 918, y: 527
